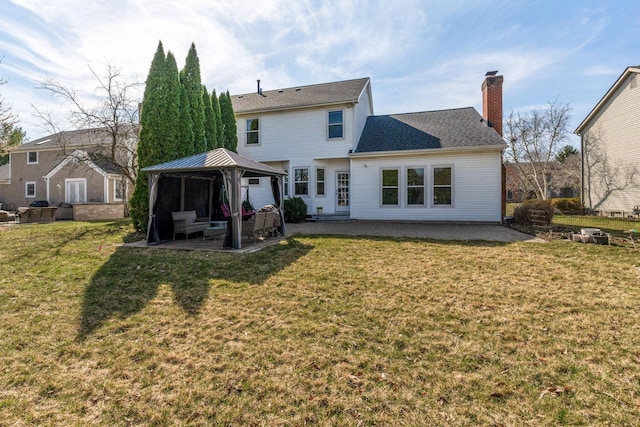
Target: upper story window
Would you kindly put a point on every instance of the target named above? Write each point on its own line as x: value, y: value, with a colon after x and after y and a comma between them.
x: 390, y: 187
x: 301, y: 182
x: 32, y: 158
x: 442, y: 186
x: 336, y: 124
x: 253, y: 132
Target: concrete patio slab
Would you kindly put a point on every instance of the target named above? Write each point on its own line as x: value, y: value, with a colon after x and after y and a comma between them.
x: 440, y: 231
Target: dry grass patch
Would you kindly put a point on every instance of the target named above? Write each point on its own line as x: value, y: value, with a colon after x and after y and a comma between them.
x: 319, y: 331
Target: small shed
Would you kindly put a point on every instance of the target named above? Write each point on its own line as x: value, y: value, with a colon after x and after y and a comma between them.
x: 196, y: 183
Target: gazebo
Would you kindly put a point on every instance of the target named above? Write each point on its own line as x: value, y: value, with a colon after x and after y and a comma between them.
x: 196, y: 183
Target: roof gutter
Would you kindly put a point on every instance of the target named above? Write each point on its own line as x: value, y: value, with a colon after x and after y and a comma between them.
x: 294, y: 107
x: 453, y: 150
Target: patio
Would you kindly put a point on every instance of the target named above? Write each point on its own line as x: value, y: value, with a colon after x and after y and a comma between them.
x: 198, y: 243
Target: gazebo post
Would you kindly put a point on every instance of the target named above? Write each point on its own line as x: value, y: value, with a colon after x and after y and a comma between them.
x: 236, y: 208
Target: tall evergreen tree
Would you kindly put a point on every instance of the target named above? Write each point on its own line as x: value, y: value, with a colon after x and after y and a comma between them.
x: 185, y: 135
x: 219, y: 128
x: 191, y: 81
x: 228, y: 122
x: 209, y: 121
x: 158, y: 122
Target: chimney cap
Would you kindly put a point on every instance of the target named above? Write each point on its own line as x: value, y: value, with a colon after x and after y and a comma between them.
x: 491, y: 73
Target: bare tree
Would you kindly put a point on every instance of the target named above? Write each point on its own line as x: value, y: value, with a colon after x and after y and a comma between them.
x: 533, y: 140
x: 10, y: 133
x: 110, y: 125
x: 567, y: 173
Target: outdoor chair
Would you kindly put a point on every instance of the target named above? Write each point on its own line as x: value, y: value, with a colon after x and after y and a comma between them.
x: 272, y: 223
x: 187, y: 223
x: 7, y: 216
x: 48, y: 214
x: 255, y: 227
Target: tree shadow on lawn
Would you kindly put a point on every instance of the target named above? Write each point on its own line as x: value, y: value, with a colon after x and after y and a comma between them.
x: 130, y: 279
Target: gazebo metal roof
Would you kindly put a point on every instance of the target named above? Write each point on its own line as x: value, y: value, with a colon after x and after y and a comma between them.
x: 218, y: 159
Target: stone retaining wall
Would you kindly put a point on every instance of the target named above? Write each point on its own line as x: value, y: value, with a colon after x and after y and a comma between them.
x: 97, y: 211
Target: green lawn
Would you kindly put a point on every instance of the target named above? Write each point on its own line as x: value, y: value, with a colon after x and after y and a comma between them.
x: 315, y: 331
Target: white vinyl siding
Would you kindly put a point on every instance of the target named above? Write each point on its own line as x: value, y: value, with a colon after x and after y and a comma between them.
x: 616, y: 128
x: 476, y: 179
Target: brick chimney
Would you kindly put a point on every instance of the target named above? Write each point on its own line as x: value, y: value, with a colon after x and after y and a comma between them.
x: 492, y: 100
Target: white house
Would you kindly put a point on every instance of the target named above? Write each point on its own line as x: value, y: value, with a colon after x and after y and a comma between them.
x: 611, y: 148
x: 429, y: 166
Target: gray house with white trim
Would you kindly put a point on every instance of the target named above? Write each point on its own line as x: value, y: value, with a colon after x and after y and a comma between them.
x: 67, y: 169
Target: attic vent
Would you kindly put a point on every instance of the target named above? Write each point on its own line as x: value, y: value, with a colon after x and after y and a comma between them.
x: 240, y: 96
x: 42, y: 142
x: 634, y: 82
x: 280, y: 91
x: 297, y: 89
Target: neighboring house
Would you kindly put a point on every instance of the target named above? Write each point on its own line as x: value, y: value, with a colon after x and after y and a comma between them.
x: 610, y: 137
x: 66, y: 170
x: 518, y: 189
x: 429, y: 166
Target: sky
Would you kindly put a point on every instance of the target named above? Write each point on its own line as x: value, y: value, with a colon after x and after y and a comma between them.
x: 421, y: 55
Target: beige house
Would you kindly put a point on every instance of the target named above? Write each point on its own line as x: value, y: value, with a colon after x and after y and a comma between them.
x: 68, y: 170
x: 610, y: 137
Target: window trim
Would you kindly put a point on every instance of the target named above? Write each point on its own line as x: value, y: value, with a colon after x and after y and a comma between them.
x: 323, y: 182
x: 423, y: 186
x: 26, y: 189
x: 247, y: 132
x: 258, y: 184
x: 397, y: 187
x: 295, y: 193
x: 329, y: 124
x: 433, y: 186
x: 29, y: 162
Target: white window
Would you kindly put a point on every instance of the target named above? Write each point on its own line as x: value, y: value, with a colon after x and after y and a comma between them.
x: 301, y: 182
x: 253, y: 132
x: 30, y: 189
x: 336, y: 124
x: 285, y: 184
x: 320, y: 182
x: 76, y: 190
x: 118, y: 189
x: 390, y: 187
x: 32, y: 158
x: 253, y: 181
x: 442, y: 186
x: 415, y: 186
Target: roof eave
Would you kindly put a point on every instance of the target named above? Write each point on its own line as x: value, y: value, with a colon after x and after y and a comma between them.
x: 606, y: 98
x: 445, y: 150
x: 295, y: 107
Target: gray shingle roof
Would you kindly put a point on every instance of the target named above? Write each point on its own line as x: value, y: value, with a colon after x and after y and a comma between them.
x: 69, y: 138
x: 217, y: 159
x: 300, y: 96
x: 456, y: 128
